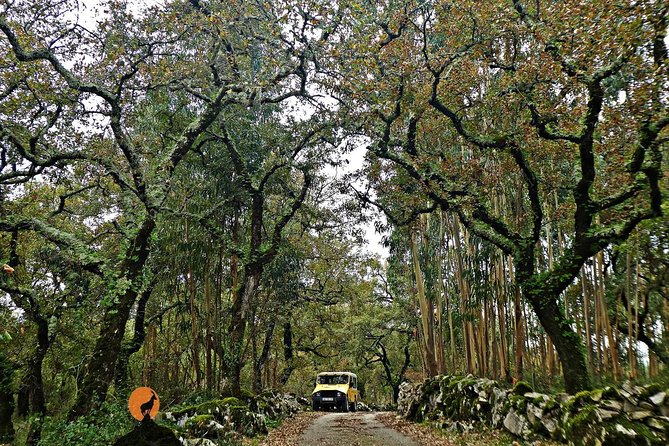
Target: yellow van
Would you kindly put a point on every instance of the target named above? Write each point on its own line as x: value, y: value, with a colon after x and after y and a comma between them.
x: 338, y: 390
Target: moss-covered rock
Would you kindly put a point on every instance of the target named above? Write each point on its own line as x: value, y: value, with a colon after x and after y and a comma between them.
x: 219, y: 406
x: 601, y: 417
x: 219, y: 418
x: 578, y: 426
x: 518, y: 402
x: 521, y: 388
x: 199, y: 421
x: 204, y: 426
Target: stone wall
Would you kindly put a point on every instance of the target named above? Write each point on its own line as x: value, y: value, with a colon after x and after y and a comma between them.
x: 629, y: 415
x: 231, y: 419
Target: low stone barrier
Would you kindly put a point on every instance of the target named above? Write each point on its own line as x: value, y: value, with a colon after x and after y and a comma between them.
x: 230, y: 419
x: 629, y: 415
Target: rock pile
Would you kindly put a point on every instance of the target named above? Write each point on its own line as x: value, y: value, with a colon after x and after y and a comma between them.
x: 362, y: 407
x: 629, y: 415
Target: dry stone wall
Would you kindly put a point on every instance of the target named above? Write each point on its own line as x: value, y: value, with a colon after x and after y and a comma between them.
x: 628, y: 415
x: 231, y: 419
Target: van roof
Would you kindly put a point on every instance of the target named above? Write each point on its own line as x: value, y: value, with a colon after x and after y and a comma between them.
x: 337, y: 373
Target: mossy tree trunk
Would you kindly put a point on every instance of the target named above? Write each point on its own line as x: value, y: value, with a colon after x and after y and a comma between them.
x: 101, y: 369
x: 233, y: 351
x: 565, y: 340
x: 6, y: 399
x: 260, y: 363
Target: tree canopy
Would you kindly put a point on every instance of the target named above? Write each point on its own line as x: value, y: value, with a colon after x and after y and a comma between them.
x: 177, y: 205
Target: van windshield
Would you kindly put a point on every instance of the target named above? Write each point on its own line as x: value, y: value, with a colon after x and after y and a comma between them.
x: 333, y: 379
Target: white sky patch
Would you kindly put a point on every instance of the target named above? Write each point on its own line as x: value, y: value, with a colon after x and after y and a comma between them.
x: 356, y: 160
x: 90, y: 11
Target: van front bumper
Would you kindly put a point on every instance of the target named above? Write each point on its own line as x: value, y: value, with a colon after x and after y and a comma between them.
x: 329, y: 400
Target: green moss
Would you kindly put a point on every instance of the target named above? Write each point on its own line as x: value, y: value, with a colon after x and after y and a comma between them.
x: 521, y: 388
x: 615, y: 438
x: 581, y: 399
x: 186, y: 410
x: 580, y: 396
x: 430, y: 387
x: 453, y: 383
x: 576, y: 428
x: 506, y: 406
x: 651, y: 390
x: 551, y: 404
x: 246, y: 395
x: 467, y: 382
x: 245, y: 421
x: 596, y: 395
x: 518, y: 402
x: 232, y: 401
x: 610, y: 393
x: 199, y: 421
x: 217, y: 406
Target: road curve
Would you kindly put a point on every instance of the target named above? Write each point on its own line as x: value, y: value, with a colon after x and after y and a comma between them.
x: 354, y: 429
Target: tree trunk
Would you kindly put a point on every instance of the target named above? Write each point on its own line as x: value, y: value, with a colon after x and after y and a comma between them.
x: 195, y: 341
x: 440, y: 297
x: 100, y: 370
x: 427, y: 321
x: 396, y: 393
x: 501, y: 314
x: 6, y: 400
x: 631, y: 352
x: 518, y: 327
x: 234, y: 350
x: 470, y: 359
x: 208, y: 375
x: 586, y: 318
x: 23, y: 401
x: 34, y: 378
x: 566, y: 342
x: 262, y: 359
x: 133, y: 346
x: 287, y: 353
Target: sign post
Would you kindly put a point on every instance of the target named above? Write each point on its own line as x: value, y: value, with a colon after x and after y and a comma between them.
x: 144, y: 403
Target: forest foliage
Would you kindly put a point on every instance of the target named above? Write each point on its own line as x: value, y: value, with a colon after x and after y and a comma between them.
x: 178, y: 208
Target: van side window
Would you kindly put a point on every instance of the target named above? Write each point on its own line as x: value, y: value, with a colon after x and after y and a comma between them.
x: 354, y: 383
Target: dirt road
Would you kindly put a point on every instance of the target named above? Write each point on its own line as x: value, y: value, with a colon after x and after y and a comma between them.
x: 375, y: 429
x: 355, y: 429
x: 344, y: 429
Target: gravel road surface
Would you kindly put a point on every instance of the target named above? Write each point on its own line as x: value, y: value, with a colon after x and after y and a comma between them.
x: 354, y: 429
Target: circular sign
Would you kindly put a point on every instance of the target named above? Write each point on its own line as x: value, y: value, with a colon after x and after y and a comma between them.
x: 143, y: 402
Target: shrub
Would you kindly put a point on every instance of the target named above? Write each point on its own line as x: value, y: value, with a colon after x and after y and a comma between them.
x: 99, y: 428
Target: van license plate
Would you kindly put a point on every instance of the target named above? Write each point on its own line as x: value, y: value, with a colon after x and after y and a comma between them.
x: 328, y: 399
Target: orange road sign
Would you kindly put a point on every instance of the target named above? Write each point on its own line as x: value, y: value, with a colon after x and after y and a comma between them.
x: 143, y: 401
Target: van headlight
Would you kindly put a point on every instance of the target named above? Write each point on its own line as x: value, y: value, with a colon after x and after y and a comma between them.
x: 340, y: 394
x: 317, y: 394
